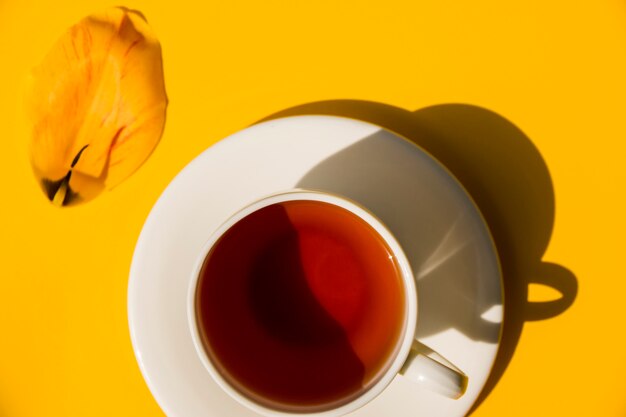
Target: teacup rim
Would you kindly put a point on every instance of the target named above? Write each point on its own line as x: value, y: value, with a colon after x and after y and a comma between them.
x: 410, y: 291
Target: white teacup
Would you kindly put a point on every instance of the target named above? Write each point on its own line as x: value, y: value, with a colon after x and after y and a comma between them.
x: 409, y: 357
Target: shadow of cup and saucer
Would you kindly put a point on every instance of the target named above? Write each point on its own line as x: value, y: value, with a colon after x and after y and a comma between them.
x: 508, y: 180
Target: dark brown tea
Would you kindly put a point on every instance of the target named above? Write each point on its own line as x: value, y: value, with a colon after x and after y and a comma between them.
x: 300, y: 306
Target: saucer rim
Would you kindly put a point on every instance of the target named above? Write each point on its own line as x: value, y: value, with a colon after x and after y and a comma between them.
x: 140, y: 243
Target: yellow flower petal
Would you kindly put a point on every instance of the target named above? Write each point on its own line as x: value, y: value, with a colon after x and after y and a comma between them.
x: 96, y: 105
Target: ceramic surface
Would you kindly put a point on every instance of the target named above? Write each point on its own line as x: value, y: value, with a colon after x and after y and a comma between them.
x: 440, y: 229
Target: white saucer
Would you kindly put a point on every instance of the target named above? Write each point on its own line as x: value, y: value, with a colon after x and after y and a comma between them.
x: 441, y: 230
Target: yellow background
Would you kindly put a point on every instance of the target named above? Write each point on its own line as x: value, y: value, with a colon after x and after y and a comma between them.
x: 555, y: 69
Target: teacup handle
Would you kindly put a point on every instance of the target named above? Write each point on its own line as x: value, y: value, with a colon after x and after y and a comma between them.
x: 427, y: 367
